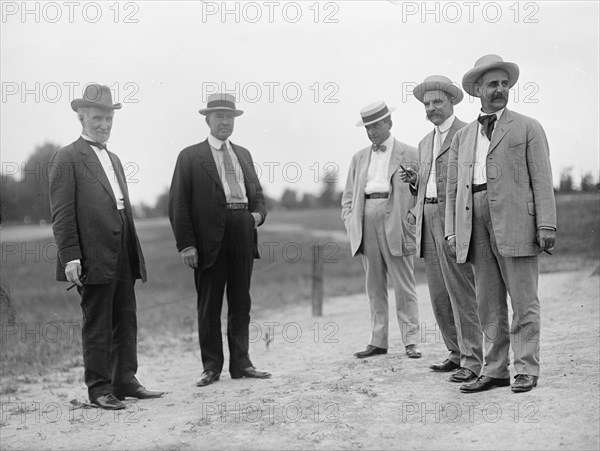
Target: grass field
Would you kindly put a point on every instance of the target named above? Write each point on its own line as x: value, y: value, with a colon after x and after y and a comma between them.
x: 46, y: 327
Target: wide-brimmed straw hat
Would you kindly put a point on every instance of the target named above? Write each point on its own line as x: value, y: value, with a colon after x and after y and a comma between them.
x: 438, y: 83
x: 485, y: 64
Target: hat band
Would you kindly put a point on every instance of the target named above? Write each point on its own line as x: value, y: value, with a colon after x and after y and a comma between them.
x: 375, y: 116
x: 220, y: 104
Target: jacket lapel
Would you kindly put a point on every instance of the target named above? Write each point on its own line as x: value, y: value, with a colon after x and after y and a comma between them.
x: 94, y: 166
x: 501, y: 130
x: 208, y: 164
x: 427, y: 158
x: 395, y: 159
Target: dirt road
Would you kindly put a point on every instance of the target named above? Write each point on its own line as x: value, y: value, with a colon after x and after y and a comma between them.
x: 320, y: 397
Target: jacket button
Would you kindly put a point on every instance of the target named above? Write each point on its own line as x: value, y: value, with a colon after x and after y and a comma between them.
x: 467, y: 208
x: 467, y: 186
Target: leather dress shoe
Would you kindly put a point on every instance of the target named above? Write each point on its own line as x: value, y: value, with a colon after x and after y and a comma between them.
x: 444, y: 367
x: 207, y: 378
x: 139, y: 393
x: 484, y: 383
x: 250, y: 372
x: 463, y: 375
x: 108, y: 402
x: 370, y: 352
x: 523, y: 383
x: 413, y: 352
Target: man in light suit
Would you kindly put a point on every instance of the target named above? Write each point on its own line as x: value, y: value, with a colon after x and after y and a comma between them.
x: 99, y: 251
x: 375, y: 211
x: 451, y: 286
x: 500, y: 214
x: 215, y: 204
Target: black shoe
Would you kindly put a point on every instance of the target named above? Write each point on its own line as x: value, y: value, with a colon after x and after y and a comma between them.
x: 139, y: 393
x: 370, y: 352
x: 207, y: 378
x: 523, y: 383
x: 250, y: 372
x: 413, y: 352
x: 484, y: 383
x: 463, y: 375
x: 444, y: 367
x: 108, y: 402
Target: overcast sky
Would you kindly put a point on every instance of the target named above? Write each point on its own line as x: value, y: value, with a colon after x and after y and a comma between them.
x: 301, y: 72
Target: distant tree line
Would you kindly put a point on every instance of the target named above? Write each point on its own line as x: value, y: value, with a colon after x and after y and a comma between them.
x: 24, y: 193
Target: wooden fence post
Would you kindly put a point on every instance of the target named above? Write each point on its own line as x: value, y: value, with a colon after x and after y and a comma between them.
x: 317, y: 280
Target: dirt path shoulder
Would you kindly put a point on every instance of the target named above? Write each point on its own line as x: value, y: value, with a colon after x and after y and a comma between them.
x: 320, y: 397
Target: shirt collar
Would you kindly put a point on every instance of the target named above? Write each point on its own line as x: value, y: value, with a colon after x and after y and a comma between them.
x: 87, y: 138
x: 445, y: 126
x: 498, y: 113
x: 388, y: 143
x: 217, y: 143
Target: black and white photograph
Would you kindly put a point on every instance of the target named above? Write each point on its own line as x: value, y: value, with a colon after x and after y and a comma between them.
x: 300, y: 225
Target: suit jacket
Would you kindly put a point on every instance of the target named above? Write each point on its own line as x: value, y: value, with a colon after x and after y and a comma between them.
x: 519, y: 185
x: 399, y: 233
x: 197, y: 203
x: 85, y: 219
x: 441, y: 166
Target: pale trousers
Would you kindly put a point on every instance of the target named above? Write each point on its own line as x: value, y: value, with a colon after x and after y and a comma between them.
x: 452, y: 292
x: 496, y: 275
x: 379, y: 263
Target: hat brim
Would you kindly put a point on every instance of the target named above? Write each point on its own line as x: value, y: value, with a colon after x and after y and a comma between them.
x: 79, y: 103
x: 470, y: 78
x: 449, y: 88
x: 206, y: 111
x: 364, y: 124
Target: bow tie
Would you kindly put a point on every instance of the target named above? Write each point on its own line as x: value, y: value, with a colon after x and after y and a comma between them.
x: 376, y: 148
x: 95, y: 144
x: 487, y: 124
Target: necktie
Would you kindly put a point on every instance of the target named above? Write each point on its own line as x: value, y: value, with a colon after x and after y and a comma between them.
x: 376, y: 148
x: 95, y: 144
x: 232, y: 182
x: 487, y: 125
x: 438, y: 143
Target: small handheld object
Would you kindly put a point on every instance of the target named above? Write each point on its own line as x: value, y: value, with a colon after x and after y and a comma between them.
x: 81, y: 279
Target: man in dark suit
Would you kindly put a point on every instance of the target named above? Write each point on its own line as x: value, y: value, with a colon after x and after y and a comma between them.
x: 500, y: 214
x: 451, y: 286
x: 215, y: 204
x: 98, y: 249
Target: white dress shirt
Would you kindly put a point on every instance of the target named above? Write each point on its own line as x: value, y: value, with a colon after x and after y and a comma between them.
x: 215, y: 146
x: 110, y: 173
x: 481, y: 151
x: 439, y: 136
x: 377, y: 175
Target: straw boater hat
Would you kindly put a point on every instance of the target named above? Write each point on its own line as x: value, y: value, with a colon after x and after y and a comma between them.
x: 221, y: 102
x: 98, y: 96
x: 487, y: 63
x: 373, y: 113
x: 438, y: 83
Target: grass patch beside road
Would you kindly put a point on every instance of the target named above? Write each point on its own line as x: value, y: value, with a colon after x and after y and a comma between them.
x: 46, y: 326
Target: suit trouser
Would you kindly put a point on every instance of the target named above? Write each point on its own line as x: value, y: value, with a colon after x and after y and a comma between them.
x: 379, y: 263
x: 452, y: 291
x: 109, y: 332
x: 496, y: 275
x: 232, y: 268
